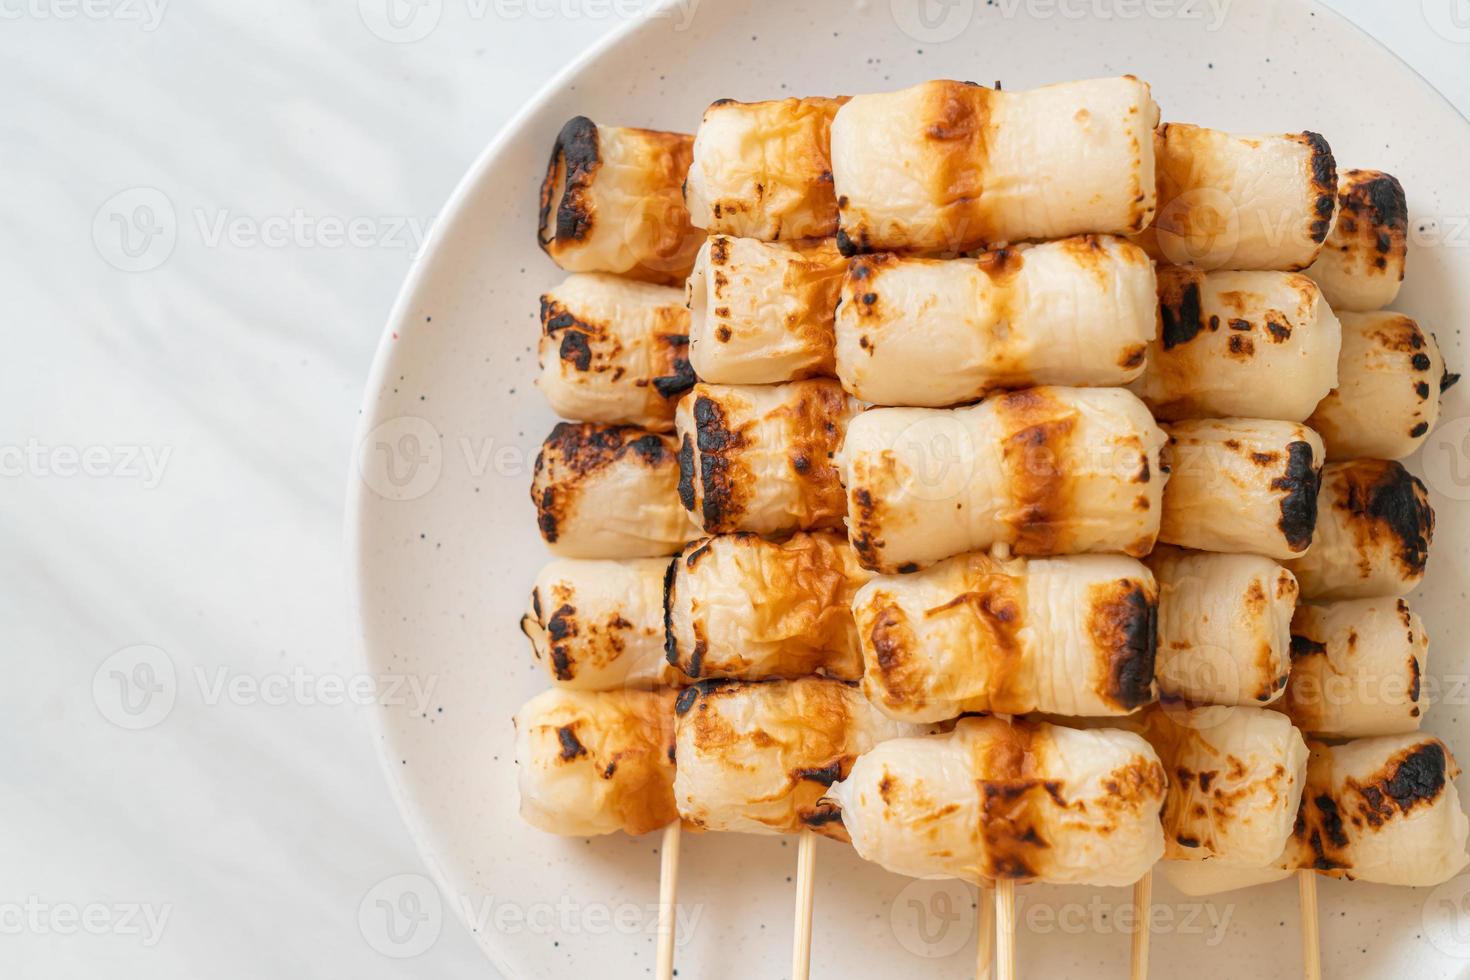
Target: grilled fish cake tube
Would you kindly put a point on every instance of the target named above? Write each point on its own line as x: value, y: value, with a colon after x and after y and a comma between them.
x: 1240, y: 344
x: 1224, y: 626
x: 614, y: 350
x: 1362, y: 264
x: 757, y: 758
x: 1374, y: 529
x: 937, y: 332
x: 1389, y: 379
x: 1069, y: 636
x: 1241, y: 202
x: 739, y: 605
x: 597, y: 625
x: 1024, y: 800
x: 1356, y: 669
x: 951, y: 166
x: 1047, y: 471
x: 761, y: 313
x: 609, y: 491
x: 1235, y: 782
x: 763, y: 169
x: 760, y: 457
x: 1382, y: 810
x: 612, y: 201
x: 596, y: 762
x: 1241, y: 485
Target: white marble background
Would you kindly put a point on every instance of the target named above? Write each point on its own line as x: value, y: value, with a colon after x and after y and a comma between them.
x: 208, y: 207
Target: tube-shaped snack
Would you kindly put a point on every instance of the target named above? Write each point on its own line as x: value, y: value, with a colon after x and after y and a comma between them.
x: 742, y: 606
x: 1048, y: 471
x: 1374, y: 528
x: 1235, y: 782
x: 612, y: 201
x: 609, y: 491
x: 1362, y: 263
x: 1241, y: 485
x: 1356, y: 669
x: 761, y: 313
x: 763, y: 169
x: 1241, y: 202
x: 1232, y: 344
x: 951, y: 166
x: 1389, y: 379
x: 596, y: 762
x: 760, y: 457
x: 614, y: 350
x: 934, y: 332
x: 1224, y: 626
x: 1382, y: 809
x: 1067, y: 636
x: 992, y: 799
x: 757, y: 758
x: 598, y: 625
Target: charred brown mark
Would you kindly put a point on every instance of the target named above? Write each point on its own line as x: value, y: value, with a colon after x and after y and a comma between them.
x: 1299, y: 483
x: 1394, y: 498
x: 576, y: 350
x: 1418, y: 777
x: 570, y: 746
x: 695, y: 692
x: 1125, y: 625
x: 826, y: 775
x: 721, y: 495
x: 561, y: 627
x: 825, y: 813
x: 1040, y: 431
x: 1323, y: 170
x: 1378, y: 200
x: 1414, y: 679
x: 686, y: 473
x: 1305, y: 646
x: 681, y: 376
x: 671, y: 643
x: 575, y: 158
x: 1180, y: 308
x: 1331, y: 820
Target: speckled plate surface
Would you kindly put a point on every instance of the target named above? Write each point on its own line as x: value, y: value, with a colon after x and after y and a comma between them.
x: 445, y: 544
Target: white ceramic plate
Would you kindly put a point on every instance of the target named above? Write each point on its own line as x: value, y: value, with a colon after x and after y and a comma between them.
x: 446, y: 547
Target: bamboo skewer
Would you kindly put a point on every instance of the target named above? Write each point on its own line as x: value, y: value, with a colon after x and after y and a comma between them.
x: 1306, y: 883
x: 668, y: 888
x: 984, y: 933
x: 1143, y: 892
x: 1005, y: 929
x: 806, y: 863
